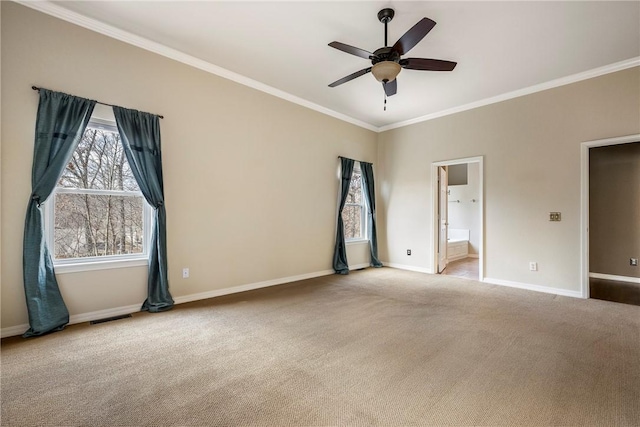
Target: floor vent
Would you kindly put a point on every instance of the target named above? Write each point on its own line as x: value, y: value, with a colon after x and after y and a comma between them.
x: 109, y: 319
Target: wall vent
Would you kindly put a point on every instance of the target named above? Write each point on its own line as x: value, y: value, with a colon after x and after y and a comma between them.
x: 109, y: 319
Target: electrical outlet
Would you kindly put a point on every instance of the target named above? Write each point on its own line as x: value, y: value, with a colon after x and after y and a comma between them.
x: 555, y: 216
x: 533, y: 266
x: 409, y: 252
x: 633, y: 261
x: 185, y: 273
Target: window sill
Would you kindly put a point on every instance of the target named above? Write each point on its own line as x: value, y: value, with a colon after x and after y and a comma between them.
x: 357, y: 242
x: 76, y: 267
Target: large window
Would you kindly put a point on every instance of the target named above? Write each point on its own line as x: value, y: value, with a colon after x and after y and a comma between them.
x: 354, y: 212
x: 97, y: 212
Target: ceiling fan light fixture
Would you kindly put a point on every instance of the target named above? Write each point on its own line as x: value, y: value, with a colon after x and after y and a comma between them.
x: 387, y: 61
x: 386, y: 71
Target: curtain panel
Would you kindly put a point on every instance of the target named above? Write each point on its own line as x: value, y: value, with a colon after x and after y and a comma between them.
x: 370, y: 197
x: 340, y: 264
x: 60, y: 124
x: 140, y: 135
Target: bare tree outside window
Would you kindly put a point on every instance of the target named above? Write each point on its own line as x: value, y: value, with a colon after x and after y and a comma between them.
x: 353, y: 212
x: 98, y: 207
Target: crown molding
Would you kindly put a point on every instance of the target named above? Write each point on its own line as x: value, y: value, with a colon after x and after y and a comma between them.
x: 611, y: 68
x: 60, y: 12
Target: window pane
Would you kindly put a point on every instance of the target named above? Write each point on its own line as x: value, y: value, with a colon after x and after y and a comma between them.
x: 355, y: 189
x: 88, y: 225
x: 351, y: 216
x: 99, y: 163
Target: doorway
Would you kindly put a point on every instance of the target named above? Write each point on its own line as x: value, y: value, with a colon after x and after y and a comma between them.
x: 609, y: 232
x: 458, y: 217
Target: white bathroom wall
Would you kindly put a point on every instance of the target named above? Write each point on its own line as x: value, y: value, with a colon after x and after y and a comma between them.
x: 466, y: 214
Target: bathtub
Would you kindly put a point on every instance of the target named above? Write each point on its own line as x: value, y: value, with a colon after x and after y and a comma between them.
x: 457, y: 244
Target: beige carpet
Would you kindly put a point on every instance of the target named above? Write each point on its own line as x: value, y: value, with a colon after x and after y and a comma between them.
x: 377, y: 347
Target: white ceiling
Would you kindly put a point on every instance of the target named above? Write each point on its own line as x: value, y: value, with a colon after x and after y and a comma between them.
x: 500, y: 47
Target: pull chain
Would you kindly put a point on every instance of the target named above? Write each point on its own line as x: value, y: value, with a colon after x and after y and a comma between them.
x: 385, y: 101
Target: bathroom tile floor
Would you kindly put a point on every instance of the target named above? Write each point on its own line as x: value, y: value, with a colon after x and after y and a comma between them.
x: 467, y: 268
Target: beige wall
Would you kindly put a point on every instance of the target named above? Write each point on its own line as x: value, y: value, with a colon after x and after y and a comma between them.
x: 614, y: 209
x: 250, y: 179
x: 531, y: 149
x: 0, y: 163
x: 248, y: 198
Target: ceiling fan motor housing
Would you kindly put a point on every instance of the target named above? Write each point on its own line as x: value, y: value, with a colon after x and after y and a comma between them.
x: 385, y: 54
x: 387, y: 61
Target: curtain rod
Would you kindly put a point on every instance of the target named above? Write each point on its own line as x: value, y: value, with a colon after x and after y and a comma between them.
x: 98, y: 102
x: 360, y: 161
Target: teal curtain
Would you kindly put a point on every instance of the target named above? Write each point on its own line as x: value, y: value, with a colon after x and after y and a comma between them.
x: 340, y: 264
x: 60, y: 123
x: 140, y: 134
x: 370, y: 197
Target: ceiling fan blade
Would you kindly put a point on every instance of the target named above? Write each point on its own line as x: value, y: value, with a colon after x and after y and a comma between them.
x: 427, y: 64
x: 413, y: 36
x: 350, y: 77
x: 352, y: 50
x: 390, y: 88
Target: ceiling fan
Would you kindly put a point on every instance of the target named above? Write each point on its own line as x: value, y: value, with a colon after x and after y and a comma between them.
x: 386, y: 62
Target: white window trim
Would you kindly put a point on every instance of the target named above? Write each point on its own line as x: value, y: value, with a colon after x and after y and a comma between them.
x: 359, y: 241
x: 364, y: 216
x: 62, y: 190
x: 77, y: 267
x: 74, y: 265
x: 103, y: 124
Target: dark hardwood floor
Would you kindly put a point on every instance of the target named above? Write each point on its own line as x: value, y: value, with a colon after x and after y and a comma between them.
x: 609, y: 290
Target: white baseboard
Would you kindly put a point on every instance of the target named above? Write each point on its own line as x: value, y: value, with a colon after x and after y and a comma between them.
x: 250, y: 286
x: 519, y: 285
x: 615, y: 278
x: 407, y: 267
x: 77, y: 318
x: 117, y: 311
x: 258, y: 285
x: 530, y: 287
x: 14, y: 330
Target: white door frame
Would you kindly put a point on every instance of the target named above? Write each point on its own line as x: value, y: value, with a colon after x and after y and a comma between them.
x: 434, y: 203
x: 584, y: 199
x: 443, y: 210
